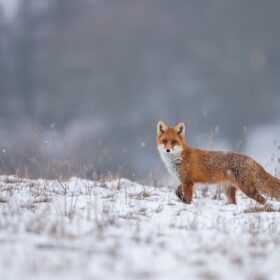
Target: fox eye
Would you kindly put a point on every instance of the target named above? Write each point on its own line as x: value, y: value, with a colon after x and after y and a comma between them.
x: 174, y: 142
x: 164, y: 142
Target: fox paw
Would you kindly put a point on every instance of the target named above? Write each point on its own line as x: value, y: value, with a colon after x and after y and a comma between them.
x: 268, y: 207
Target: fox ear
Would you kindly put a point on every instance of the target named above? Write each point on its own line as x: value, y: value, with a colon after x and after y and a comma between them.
x: 180, y: 128
x: 161, y: 127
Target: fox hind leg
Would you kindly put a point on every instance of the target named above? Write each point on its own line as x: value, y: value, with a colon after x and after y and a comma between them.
x: 253, y: 193
x: 230, y: 192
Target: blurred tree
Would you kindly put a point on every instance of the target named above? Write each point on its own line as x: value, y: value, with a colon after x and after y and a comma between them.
x: 113, y: 68
x: 25, y: 50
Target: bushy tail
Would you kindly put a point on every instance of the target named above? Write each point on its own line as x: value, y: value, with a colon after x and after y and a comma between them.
x: 269, y: 184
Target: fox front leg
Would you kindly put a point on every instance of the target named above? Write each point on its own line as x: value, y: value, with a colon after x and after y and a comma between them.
x: 179, y: 192
x: 185, y: 192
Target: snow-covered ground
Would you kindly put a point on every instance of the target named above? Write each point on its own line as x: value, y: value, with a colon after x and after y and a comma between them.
x: 118, y: 229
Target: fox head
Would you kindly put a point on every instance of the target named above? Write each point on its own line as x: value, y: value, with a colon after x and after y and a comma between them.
x: 170, y: 140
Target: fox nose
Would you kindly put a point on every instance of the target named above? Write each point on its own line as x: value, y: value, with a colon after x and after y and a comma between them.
x: 168, y: 150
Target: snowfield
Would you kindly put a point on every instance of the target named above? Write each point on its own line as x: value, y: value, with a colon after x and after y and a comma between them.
x: 118, y: 229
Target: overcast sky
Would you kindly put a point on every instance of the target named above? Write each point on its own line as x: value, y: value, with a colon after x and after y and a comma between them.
x: 9, y: 7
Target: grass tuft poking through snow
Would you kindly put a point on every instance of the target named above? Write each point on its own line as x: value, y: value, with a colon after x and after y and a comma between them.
x: 81, y: 229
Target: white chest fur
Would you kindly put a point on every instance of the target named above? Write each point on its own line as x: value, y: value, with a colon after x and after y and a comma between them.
x: 171, y: 161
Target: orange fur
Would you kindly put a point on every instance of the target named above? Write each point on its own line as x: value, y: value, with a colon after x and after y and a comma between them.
x: 233, y: 170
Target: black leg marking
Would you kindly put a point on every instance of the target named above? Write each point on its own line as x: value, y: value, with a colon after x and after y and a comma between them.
x: 179, y: 193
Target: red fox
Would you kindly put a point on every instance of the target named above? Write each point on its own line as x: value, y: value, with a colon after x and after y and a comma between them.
x: 233, y: 170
